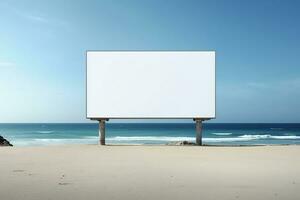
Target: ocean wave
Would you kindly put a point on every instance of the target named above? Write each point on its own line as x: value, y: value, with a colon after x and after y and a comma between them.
x: 221, y: 134
x: 231, y: 139
x: 144, y: 139
x: 169, y: 139
x: 268, y: 136
x: 46, y: 142
x: 174, y: 139
x: 150, y: 138
x: 44, y: 132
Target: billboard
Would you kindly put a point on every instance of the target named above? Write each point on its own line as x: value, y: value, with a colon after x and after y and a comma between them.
x: 150, y: 84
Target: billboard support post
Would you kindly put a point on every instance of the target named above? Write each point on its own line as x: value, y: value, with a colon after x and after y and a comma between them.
x: 198, y: 131
x: 102, y: 131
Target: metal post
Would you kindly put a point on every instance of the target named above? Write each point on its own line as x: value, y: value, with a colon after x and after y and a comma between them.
x: 102, y: 131
x: 198, y: 131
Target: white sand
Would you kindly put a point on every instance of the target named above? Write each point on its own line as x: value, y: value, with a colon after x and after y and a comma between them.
x: 149, y: 172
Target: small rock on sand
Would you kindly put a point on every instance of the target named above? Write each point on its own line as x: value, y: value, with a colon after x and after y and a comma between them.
x: 4, y: 142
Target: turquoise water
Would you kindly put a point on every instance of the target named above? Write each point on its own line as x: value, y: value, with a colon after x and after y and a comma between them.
x: 149, y: 133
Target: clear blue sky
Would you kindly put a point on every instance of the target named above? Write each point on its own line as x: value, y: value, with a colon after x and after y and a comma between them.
x: 43, y: 44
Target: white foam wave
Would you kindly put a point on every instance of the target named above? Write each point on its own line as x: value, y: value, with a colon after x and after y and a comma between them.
x: 174, y: 139
x: 287, y: 137
x: 45, y: 132
x: 46, y: 142
x: 141, y: 139
x: 150, y: 138
x: 267, y: 136
x: 221, y: 134
x: 235, y: 139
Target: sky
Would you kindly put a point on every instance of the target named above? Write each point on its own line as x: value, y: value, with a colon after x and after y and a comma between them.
x: 43, y: 45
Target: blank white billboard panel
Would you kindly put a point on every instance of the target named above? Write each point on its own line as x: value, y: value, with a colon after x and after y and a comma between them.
x: 150, y: 84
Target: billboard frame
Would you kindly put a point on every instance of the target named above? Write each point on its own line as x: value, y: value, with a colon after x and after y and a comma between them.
x: 96, y: 118
x: 198, y: 121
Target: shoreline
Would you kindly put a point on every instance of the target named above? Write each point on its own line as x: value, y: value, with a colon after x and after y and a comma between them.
x: 141, y: 133
x: 154, y: 145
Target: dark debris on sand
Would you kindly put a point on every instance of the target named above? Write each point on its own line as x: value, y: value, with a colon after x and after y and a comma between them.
x: 182, y: 143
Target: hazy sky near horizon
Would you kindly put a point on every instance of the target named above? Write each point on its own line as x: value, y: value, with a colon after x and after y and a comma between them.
x: 43, y: 44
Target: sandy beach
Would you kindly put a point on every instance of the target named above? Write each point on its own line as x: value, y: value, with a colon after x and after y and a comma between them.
x: 149, y: 172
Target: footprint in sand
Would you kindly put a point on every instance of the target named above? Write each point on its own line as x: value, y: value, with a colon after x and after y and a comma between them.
x: 18, y: 170
x: 64, y: 183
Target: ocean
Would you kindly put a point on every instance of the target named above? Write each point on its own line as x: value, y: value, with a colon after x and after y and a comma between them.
x: 151, y: 133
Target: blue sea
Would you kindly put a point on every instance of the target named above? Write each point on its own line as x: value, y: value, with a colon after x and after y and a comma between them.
x: 151, y: 133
